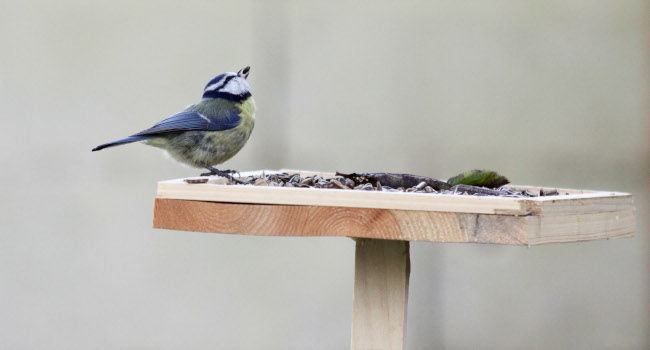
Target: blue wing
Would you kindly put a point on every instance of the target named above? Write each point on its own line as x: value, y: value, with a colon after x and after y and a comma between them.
x: 192, y: 120
x: 184, y: 121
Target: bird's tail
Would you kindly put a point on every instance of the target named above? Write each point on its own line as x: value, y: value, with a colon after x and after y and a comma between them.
x: 125, y: 140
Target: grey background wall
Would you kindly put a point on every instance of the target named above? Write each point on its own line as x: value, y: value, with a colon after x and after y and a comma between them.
x: 547, y: 92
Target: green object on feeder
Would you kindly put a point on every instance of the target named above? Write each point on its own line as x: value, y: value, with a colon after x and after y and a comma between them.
x: 482, y: 178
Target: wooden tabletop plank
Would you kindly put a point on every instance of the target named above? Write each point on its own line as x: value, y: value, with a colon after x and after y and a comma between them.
x: 281, y: 211
x: 178, y: 189
x: 406, y: 225
x: 575, y: 203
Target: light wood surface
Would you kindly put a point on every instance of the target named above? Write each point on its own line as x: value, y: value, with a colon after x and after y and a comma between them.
x: 178, y: 189
x: 279, y: 211
x: 381, y: 280
x: 407, y: 225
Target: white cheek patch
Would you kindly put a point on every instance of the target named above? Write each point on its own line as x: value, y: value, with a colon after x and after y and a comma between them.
x: 233, y: 87
x: 237, y: 86
x: 214, y: 86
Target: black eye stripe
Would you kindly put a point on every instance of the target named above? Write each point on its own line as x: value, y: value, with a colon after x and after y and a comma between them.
x: 238, y: 94
x: 215, y: 79
x: 226, y: 81
x: 222, y: 84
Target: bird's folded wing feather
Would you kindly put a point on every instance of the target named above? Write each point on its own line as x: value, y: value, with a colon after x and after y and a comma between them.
x: 192, y: 120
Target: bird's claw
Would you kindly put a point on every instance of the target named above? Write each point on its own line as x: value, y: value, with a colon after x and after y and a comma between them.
x: 223, y: 173
x: 218, y: 173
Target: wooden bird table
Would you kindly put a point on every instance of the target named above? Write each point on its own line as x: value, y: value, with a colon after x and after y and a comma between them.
x: 383, y: 223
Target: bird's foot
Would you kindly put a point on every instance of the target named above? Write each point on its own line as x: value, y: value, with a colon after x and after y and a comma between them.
x: 224, y: 173
x: 215, y: 171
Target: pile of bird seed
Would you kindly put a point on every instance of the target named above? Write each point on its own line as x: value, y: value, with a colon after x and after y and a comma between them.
x: 386, y: 182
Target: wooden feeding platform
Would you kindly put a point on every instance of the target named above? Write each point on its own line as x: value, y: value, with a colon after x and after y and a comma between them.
x: 384, y: 223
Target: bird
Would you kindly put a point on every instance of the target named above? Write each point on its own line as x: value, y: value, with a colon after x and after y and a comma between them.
x: 209, y: 132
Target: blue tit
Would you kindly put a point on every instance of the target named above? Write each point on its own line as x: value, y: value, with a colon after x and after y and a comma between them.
x: 207, y: 133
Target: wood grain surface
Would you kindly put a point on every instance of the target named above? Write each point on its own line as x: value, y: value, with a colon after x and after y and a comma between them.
x: 407, y: 225
x: 381, y: 284
x: 577, y: 215
x: 178, y: 189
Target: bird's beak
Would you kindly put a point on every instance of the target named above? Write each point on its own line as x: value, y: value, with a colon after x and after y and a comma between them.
x: 244, y: 72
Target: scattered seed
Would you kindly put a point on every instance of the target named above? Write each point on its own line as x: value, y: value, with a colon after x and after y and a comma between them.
x: 307, y: 181
x: 545, y: 192
x: 261, y: 182
x: 338, y: 184
x: 348, y: 182
x: 367, y: 183
x: 420, y: 186
x: 367, y: 187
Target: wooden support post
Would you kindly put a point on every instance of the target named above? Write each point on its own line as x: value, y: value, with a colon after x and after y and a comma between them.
x: 381, y: 280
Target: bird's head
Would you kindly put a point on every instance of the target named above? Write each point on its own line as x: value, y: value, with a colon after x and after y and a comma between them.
x: 231, y: 86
